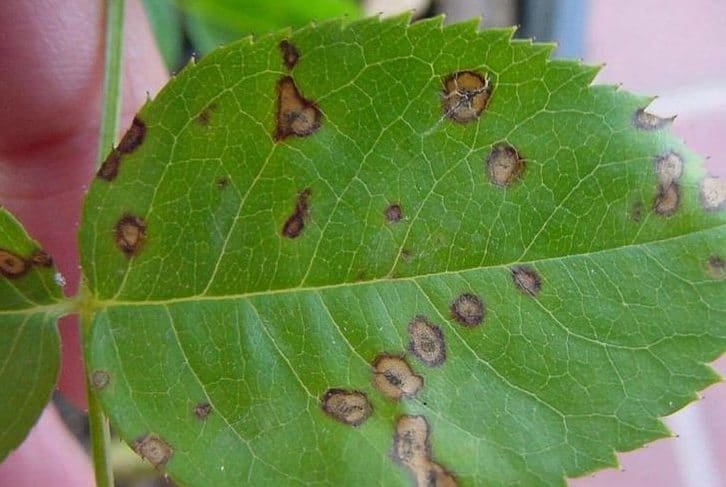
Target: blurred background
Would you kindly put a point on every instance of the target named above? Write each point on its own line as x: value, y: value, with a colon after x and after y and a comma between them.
x: 670, y: 48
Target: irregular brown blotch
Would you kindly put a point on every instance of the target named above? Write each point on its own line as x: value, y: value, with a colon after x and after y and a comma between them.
x: 716, y: 267
x: 202, y: 410
x: 667, y: 200
x: 411, y: 445
x: 296, y: 115
x: 154, y: 449
x: 295, y: 223
x: 527, y: 279
x: 394, y: 213
x: 504, y: 165
x: 348, y: 407
x: 713, y: 193
x: 100, y: 379
x: 426, y: 341
x: 133, y: 138
x: 407, y: 255
x: 468, y: 310
x: 205, y: 116
x: 11, y: 265
x: 668, y: 168
x: 394, y: 377
x: 466, y: 95
x: 290, y: 54
x: 130, y: 234
x: 647, y: 121
x: 41, y: 258
x: 412, y: 450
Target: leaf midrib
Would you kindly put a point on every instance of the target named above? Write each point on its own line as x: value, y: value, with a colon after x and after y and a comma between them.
x: 110, y: 303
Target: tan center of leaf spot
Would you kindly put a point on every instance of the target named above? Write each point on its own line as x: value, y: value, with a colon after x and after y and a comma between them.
x: 667, y: 200
x: 644, y: 120
x: 348, y: 407
x: 154, y: 449
x: 394, y: 377
x: 716, y: 267
x: 504, y: 165
x: 527, y: 280
x: 713, y: 193
x: 468, y: 309
x: 100, y: 379
x: 426, y: 341
x: 466, y: 95
x: 412, y: 450
x: 296, y: 115
x: 669, y: 168
x: 11, y: 265
x: 130, y: 234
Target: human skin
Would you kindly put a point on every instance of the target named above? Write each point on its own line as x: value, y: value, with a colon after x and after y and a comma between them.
x: 51, y: 77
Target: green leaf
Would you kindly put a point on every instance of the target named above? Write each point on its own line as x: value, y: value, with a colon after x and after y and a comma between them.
x: 29, y: 345
x: 520, y: 258
x: 211, y: 23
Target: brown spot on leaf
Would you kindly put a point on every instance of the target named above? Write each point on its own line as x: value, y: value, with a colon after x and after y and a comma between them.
x: 466, y: 95
x: 412, y: 450
x: 713, y: 193
x: 504, y: 165
x: 130, y: 234
x: 290, y: 54
x: 394, y: 377
x: 133, y: 138
x: 296, y: 115
x: 394, y: 213
x: 295, y: 223
x: 154, y: 449
x: 526, y: 279
x: 668, y: 168
x: 348, y: 407
x: 647, y: 121
x: 468, y: 309
x: 426, y: 341
x: 205, y: 116
x: 11, y: 265
x: 667, y: 200
x: 100, y: 379
x: 716, y: 267
x: 221, y: 182
x: 202, y: 410
x: 41, y: 258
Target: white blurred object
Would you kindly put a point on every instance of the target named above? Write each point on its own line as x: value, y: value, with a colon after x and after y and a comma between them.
x: 392, y: 7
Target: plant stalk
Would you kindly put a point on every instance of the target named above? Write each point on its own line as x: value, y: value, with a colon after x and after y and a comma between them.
x: 110, y: 111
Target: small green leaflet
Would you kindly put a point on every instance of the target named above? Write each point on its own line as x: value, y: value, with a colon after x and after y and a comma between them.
x: 399, y: 253
x: 31, y: 303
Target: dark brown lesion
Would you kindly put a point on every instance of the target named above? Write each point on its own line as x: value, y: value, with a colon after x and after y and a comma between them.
x: 716, y: 267
x: 393, y: 377
x: 295, y: 224
x: 205, y: 116
x: 527, y: 279
x: 426, y: 341
x: 466, y: 95
x: 12, y: 265
x: 296, y: 115
x: 202, y: 410
x: 130, y: 234
x: 394, y: 213
x: 504, y: 165
x: 468, y: 310
x: 41, y: 258
x: 667, y: 199
x: 154, y: 449
x: 348, y: 407
x: 290, y: 54
x: 412, y: 450
x: 131, y: 140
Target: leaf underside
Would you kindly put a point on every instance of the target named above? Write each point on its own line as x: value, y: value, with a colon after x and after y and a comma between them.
x: 279, y: 219
x: 29, y: 341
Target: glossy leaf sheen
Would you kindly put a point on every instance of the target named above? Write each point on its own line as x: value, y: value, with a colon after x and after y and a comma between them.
x: 219, y: 308
x: 29, y: 342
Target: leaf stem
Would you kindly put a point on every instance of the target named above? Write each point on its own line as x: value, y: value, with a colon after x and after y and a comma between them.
x: 98, y: 423
x: 111, y: 78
